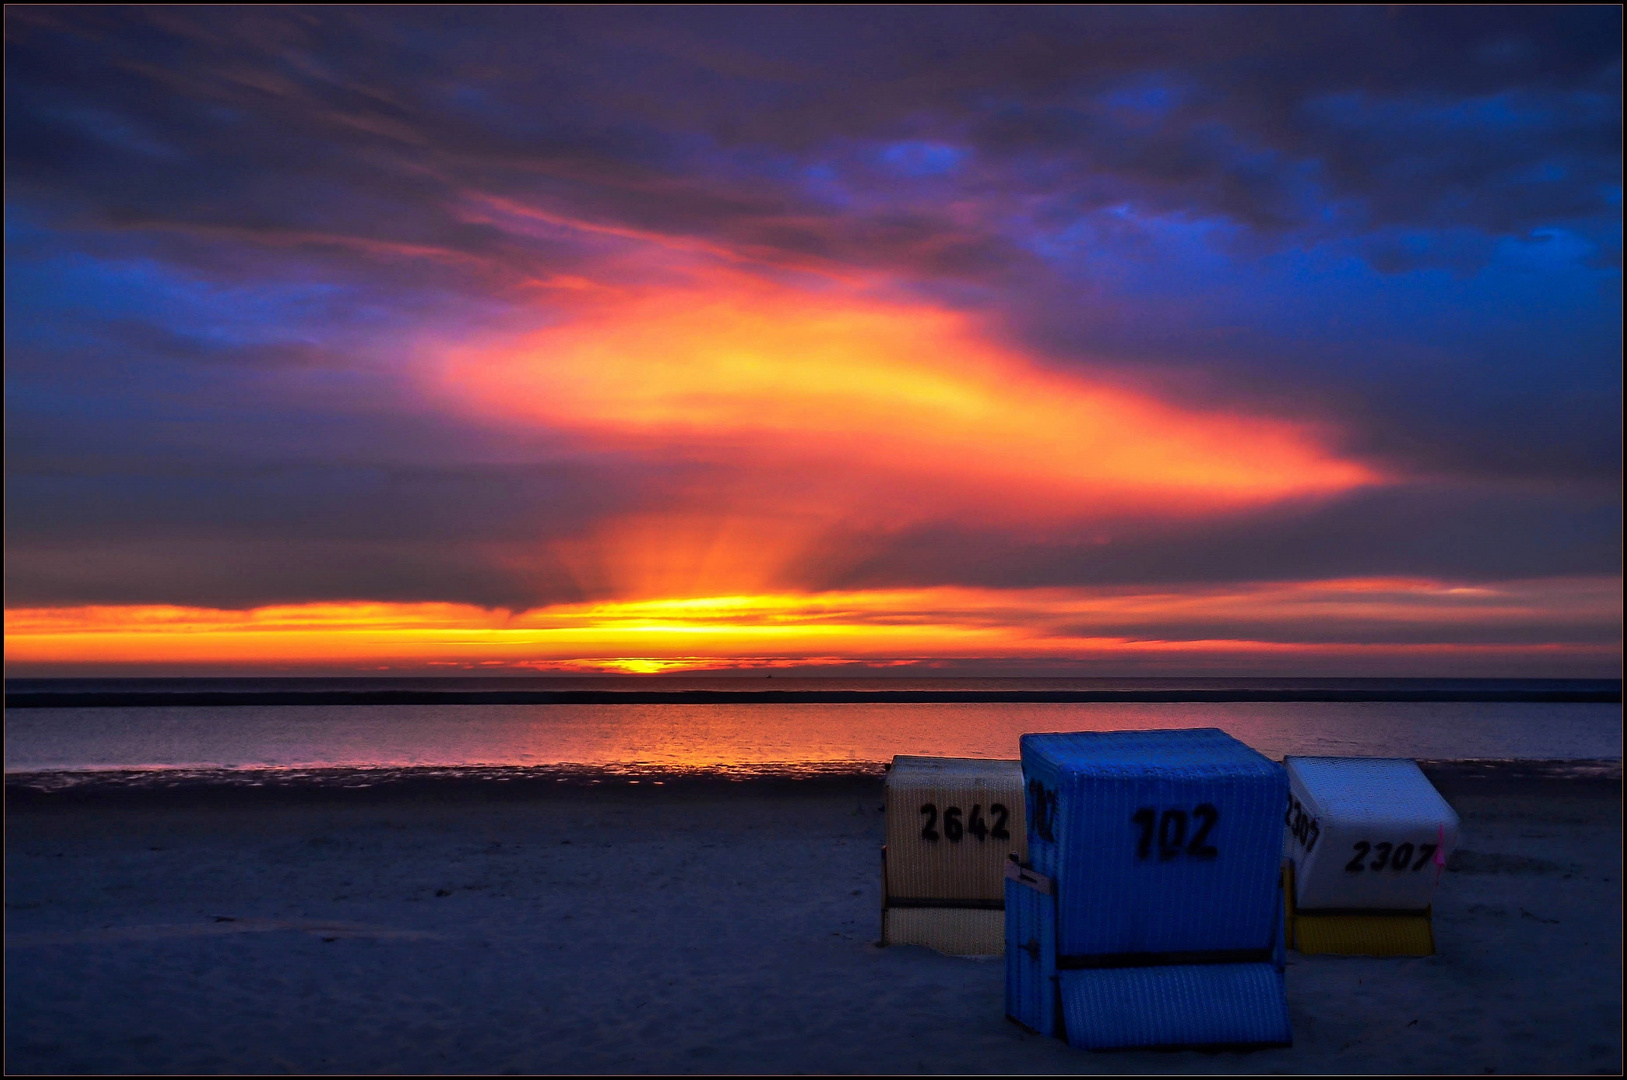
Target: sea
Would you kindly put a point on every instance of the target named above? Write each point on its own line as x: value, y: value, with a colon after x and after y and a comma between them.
x: 60, y: 733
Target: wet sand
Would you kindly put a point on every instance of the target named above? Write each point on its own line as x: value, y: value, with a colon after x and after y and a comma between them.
x: 696, y: 927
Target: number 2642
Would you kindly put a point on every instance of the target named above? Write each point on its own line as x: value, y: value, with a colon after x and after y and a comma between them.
x: 955, y: 830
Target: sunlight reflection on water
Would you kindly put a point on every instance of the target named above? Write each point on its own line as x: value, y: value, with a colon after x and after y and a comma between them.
x: 749, y: 737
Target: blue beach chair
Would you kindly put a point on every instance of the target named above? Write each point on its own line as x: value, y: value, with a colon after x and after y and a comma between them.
x: 1162, y: 854
x: 1031, y: 986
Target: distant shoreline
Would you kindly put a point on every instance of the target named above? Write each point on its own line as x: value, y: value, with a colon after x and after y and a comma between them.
x: 1604, y: 694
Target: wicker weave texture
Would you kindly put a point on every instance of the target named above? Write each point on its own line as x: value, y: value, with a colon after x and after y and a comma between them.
x: 1158, y: 841
x: 1176, y: 1005
x: 1365, y: 935
x: 955, y: 931
x: 1376, y: 934
x: 951, y: 825
x: 1031, y: 987
x: 1365, y: 833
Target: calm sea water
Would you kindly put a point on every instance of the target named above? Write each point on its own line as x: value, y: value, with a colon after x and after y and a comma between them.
x: 758, y: 737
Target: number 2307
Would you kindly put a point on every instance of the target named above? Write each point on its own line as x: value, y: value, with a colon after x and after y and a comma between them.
x: 1389, y: 857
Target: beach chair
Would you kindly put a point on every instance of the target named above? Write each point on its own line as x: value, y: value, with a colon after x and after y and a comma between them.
x: 1032, y: 994
x: 1159, y: 854
x: 1365, y: 847
x: 951, y: 825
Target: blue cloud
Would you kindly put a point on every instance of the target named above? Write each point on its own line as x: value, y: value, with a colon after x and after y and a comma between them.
x: 922, y: 158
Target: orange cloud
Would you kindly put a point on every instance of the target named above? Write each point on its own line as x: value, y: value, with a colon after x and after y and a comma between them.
x: 878, y: 412
x: 808, y: 414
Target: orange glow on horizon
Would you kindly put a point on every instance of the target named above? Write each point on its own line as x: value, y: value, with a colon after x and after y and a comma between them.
x: 886, y: 627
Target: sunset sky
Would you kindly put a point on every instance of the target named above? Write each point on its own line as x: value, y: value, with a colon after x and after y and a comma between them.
x: 1093, y: 341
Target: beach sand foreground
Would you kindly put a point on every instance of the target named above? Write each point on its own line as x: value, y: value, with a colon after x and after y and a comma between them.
x: 706, y: 927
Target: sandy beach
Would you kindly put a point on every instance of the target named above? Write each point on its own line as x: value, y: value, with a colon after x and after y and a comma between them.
x: 696, y: 927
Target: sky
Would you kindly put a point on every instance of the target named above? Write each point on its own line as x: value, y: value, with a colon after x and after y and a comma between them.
x: 961, y: 340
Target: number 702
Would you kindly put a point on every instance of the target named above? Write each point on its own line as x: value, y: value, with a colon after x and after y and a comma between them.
x: 1170, y: 829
